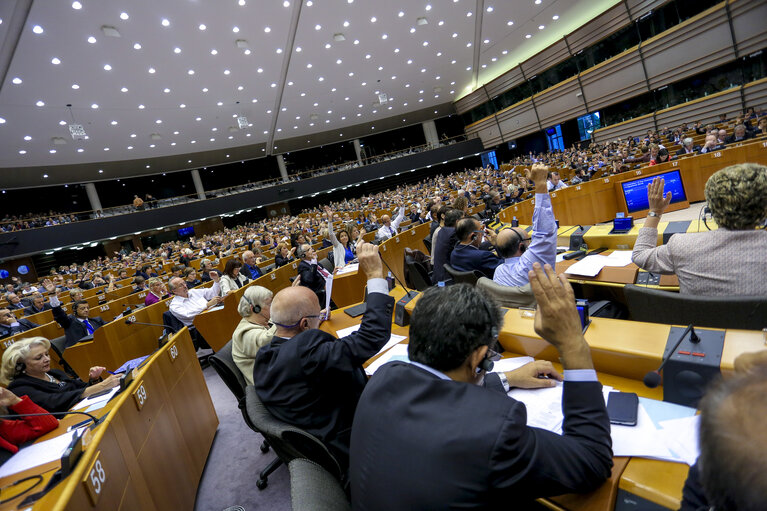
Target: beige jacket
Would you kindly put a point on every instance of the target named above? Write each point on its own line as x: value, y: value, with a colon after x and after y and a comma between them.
x: 247, y: 339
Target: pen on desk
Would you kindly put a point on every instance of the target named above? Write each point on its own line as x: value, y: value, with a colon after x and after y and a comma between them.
x: 110, y: 372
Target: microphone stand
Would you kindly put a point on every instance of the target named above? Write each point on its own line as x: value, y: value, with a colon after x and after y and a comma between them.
x: 652, y: 379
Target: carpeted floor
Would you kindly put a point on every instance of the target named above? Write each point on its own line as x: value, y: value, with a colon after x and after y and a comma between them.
x: 235, y: 460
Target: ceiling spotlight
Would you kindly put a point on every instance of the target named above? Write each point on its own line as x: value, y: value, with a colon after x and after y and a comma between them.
x: 202, y: 26
x: 165, y: 22
x: 77, y: 6
x: 137, y: 46
x: 123, y: 16
x: 37, y: 29
x: 55, y: 61
x: 92, y: 40
x: 555, y: 17
x: 17, y: 81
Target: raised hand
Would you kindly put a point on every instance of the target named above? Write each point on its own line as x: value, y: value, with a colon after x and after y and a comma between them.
x: 658, y: 202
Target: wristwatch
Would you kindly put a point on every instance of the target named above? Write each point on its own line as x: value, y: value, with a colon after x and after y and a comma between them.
x: 504, y: 381
x: 652, y: 213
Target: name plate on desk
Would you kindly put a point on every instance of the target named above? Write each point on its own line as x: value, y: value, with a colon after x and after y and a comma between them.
x: 139, y: 395
x: 94, y: 479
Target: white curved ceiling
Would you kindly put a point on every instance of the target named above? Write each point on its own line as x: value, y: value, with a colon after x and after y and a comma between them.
x: 176, y: 70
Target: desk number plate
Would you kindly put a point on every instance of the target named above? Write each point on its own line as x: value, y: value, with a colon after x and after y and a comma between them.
x: 173, y: 352
x: 94, y: 479
x: 139, y: 395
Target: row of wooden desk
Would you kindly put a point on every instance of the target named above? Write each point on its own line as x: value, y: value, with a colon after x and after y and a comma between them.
x: 622, y: 351
x: 149, y: 450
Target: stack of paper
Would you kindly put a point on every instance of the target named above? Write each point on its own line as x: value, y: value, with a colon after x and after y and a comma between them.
x: 348, y: 268
x: 397, y: 352
x: 592, y: 265
x: 38, y: 454
x: 97, y: 400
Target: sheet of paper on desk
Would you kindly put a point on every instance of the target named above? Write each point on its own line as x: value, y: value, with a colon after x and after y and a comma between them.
x: 38, y: 454
x: 393, y: 339
x: 89, y: 401
x: 589, y: 266
x: 216, y: 308
x: 346, y: 331
x: 681, y: 437
x: 348, y: 268
x: 619, y: 258
x: 642, y: 440
x: 509, y: 364
x: 397, y: 352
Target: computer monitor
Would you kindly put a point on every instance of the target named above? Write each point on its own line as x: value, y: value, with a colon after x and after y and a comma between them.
x: 635, y: 190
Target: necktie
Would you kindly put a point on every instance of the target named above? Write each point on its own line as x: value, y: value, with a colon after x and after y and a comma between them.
x: 88, y: 326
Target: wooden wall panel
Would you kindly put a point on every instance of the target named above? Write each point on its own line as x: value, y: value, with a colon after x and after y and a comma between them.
x: 614, y: 80
x: 549, y: 57
x: 504, y: 82
x: 518, y: 121
x: 705, y: 109
x: 756, y: 93
x: 748, y: 24
x: 600, y: 27
x: 631, y: 128
x: 559, y: 103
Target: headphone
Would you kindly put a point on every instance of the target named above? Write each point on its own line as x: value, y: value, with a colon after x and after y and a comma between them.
x: 487, y: 363
x: 20, y: 368
x: 254, y: 307
x: 519, y: 244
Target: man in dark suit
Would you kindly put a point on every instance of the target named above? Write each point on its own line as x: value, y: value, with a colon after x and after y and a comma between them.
x: 469, y: 254
x: 9, y: 325
x: 443, y: 246
x: 688, y: 147
x: 76, y: 325
x: 312, y: 380
x: 310, y: 273
x: 38, y: 305
x: 15, y: 302
x: 441, y: 433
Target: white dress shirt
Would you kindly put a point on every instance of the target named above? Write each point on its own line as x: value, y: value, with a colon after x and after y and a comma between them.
x: 386, y: 232
x: 185, y: 309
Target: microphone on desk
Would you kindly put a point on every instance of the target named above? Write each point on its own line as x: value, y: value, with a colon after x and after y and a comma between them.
x: 130, y: 322
x: 653, y: 378
x: 401, y: 316
x: 54, y: 414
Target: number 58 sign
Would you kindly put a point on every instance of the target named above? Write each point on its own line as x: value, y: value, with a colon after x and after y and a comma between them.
x: 94, y: 479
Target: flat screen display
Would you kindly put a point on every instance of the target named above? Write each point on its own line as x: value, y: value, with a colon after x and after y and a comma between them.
x: 186, y: 231
x: 635, y: 191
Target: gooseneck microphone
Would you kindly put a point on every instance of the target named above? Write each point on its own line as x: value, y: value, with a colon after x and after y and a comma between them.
x: 652, y: 379
x: 129, y: 322
x: 397, y: 279
x: 54, y: 414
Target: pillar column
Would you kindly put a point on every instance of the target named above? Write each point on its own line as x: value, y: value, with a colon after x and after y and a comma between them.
x: 93, y: 196
x: 358, y: 150
x: 430, y: 132
x: 283, y: 168
x: 198, y: 184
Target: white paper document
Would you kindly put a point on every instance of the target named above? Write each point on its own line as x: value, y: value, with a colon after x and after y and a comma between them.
x: 681, y: 437
x: 591, y: 266
x: 328, y: 292
x: 348, y: 268
x: 38, y: 454
x: 397, y: 352
x: 89, y: 401
x: 509, y: 364
x: 346, y: 331
x: 641, y: 440
x: 393, y: 339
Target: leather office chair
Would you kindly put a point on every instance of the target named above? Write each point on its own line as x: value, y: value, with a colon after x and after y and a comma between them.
x: 325, y: 263
x: 58, y: 345
x: 312, y: 488
x: 655, y: 306
x: 288, y: 442
x: 427, y: 244
x: 223, y: 363
x: 463, y: 277
x: 417, y: 276
x: 508, y: 296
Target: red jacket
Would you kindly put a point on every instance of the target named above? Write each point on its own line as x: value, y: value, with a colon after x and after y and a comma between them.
x: 24, y: 429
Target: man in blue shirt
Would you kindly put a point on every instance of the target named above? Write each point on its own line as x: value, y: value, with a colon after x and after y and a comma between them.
x: 249, y: 266
x: 519, y: 250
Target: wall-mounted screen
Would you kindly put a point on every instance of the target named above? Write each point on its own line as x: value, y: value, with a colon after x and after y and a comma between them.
x: 635, y: 191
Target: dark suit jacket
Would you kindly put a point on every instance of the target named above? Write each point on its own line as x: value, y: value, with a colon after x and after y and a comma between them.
x: 693, y: 496
x: 33, y: 310
x: 282, y: 261
x: 421, y: 442
x: 445, y: 243
x: 314, y: 380
x: 695, y: 149
x: 49, y: 395
x: 469, y: 257
x: 23, y: 326
x: 311, y: 278
x: 73, y: 328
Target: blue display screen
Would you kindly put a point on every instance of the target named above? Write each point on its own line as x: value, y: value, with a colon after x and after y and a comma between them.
x: 635, y: 191
x: 186, y: 231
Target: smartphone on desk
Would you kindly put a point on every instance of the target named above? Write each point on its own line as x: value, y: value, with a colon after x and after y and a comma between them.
x: 622, y: 408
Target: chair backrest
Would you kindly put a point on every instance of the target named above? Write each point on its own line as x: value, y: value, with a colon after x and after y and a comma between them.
x: 288, y: 442
x: 416, y: 276
x: 171, y: 322
x: 508, y: 296
x: 463, y: 277
x: 223, y: 363
x: 58, y: 345
x: 326, y: 263
x: 427, y: 244
x: 312, y: 488
x: 654, y: 306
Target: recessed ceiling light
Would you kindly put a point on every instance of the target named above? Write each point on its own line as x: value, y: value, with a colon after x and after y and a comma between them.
x: 40, y: 103
x: 62, y: 123
x: 286, y: 3
x: 55, y: 61
x: 77, y: 6
x: 132, y: 135
x: 113, y: 123
x: 165, y: 22
x: 298, y: 49
x: 75, y: 86
x: 327, y: 46
x: 273, y: 85
x: 220, y: 103
x: 317, y: 27
x: 455, y: 35
x: 107, y: 67
x: 486, y: 41
x: 52, y: 151
x: 202, y: 26
x: 214, y: 52
x: 130, y: 147
x: 509, y: 23
x: 346, y: 23
x: 46, y: 175
x: 247, y: 51
x: 356, y: 41
x: 489, y: 9
x: 166, y: 90
x: 412, y: 30
x: 384, y: 36
x: 241, y: 3
x: 17, y: 81
x: 505, y: 52
x: 468, y: 14
x: 22, y: 152
x: 176, y: 50
x: 92, y: 40
x: 468, y: 45
x: 279, y: 50
x: 124, y: 16
x: 37, y: 29
x: 226, y: 71
x: 94, y: 106
x: 235, y: 29
x: 373, y: 19
x: 136, y: 46
x: 309, y: 3
x: 541, y: 27
x: 320, y: 79
x: 537, y: 2
x: 426, y: 43
x: 528, y: 36
x: 555, y: 17
x: 308, y: 66
x: 141, y: 107
x: 151, y: 70
x: 400, y: 14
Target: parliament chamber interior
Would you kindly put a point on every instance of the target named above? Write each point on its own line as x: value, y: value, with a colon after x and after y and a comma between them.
x: 213, y: 270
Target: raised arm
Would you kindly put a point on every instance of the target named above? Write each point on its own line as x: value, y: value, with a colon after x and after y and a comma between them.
x: 331, y: 234
x: 646, y: 254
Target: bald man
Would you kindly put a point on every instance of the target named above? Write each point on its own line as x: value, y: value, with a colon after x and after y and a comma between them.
x: 310, y: 379
x: 520, y: 250
x: 388, y: 226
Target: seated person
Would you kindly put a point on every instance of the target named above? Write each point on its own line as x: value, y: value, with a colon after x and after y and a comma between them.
x: 9, y: 325
x: 76, y: 325
x: 468, y: 254
x: 14, y: 432
x: 205, y: 266
x: 520, y: 251
x: 342, y: 250
x: 38, y: 305
x: 14, y: 301
x: 188, y: 303
x: 146, y: 272
x: 729, y: 473
x: 726, y: 261
x: 310, y: 379
x: 26, y: 369
x: 254, y: 329
x: 312, y: 275
x: 443, y: 243
x: 250, y: 267
x: 554, y: 182
x: 284, y: 255
x: 190, y: 276
x: 739, y: 134
x: 157, y: 291
x: 388, y: 226
x: 465, y: 442
x: 232, y: 279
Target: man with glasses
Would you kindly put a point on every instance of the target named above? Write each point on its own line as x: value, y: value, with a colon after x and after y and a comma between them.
x: 471, y: 253
x: 188, y: 303
x: 310, y: 379
x: 519, y: 249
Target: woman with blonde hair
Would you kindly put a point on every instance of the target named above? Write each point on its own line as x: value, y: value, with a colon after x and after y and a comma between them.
x: 254, y: 329
x: 157, y: 291
x: 26, y: 369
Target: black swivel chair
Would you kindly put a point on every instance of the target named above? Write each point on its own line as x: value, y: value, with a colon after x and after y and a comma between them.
x: 288, y: 442
x: 427, y: 244
x: 417, y: 275
x: 312, y: 488
x: 58, y: 345
x: 223, y: 363
x: 655, y: 306
x: 463, y: 277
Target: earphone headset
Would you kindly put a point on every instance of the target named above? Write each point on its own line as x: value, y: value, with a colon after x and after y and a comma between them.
x: 487, y: 363
x: 253, y: 306
x: 20, y: 368
x: 520, y: 240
